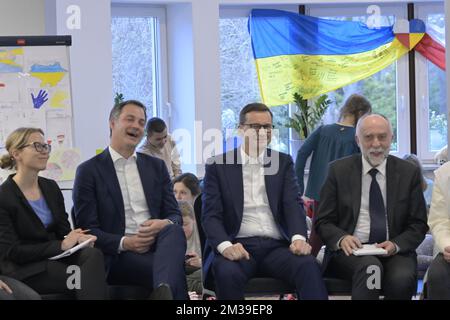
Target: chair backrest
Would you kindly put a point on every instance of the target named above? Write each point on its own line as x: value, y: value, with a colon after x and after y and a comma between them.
x: 198, y: 220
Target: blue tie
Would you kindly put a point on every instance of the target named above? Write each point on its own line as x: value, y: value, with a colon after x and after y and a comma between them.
x: 377, y: 211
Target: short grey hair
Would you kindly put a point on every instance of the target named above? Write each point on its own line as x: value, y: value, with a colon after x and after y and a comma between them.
x: 361, y: 120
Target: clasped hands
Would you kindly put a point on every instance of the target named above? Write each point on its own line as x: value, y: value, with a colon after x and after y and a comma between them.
x: 350, y: 243
x: 146, y: 236
x: 237, y: 251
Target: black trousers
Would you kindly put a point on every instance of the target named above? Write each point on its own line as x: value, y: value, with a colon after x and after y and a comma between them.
x: 439, y: 279
x: 268, y: 258
x: 55, y: 278
x: 164, y: 263
x: 398, y: 275
x: 20, y: 291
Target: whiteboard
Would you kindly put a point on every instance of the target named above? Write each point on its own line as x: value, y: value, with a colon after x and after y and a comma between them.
x: 35, y: 88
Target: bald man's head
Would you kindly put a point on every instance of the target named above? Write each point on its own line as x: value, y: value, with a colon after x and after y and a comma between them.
x: 374, y: 137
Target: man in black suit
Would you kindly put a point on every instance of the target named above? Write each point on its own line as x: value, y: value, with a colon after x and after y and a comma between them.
x: 126, y: 200
x: 251, y: 217
x: 373, y: 198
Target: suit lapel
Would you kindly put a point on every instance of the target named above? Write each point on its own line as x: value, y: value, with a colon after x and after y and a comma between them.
x: 392, y: 180
x: 271, y: 180
x: 355, y: 186
x: 146, y: 180
x: 46, y: 192
x: 108, y: 173
x: 233, y: 174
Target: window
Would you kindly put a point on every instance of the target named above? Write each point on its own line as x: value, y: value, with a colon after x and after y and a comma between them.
x: 239, y: 80
x: 387, y: 89
x: 431, y: 99
x: 138, y: 57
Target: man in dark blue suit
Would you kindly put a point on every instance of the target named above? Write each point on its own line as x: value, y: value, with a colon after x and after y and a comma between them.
x: 126, y: 200
x: 253, y: 222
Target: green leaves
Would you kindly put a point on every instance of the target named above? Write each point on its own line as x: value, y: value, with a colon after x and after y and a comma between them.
x: 305, y: 119
x: 118, y: 98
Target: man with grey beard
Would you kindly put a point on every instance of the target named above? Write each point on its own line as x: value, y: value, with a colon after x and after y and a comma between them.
x: 373, y: 198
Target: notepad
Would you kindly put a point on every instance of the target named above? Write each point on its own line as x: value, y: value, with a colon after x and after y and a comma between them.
x: 72, y: 250
x: 369, y: 250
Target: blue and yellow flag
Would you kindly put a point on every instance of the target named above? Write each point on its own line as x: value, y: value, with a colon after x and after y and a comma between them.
x: 312, y: 56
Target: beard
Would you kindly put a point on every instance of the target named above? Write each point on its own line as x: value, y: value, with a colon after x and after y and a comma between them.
x: 375, y: 160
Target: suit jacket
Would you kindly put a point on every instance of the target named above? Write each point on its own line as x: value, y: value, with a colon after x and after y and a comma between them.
x: 25, y: 243
x: 98, y: 202
x: 223, y: 198
x: 340, y: 202
x: 439, y: 218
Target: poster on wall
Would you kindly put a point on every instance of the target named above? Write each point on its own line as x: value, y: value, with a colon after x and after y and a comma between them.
x: 35, y: 91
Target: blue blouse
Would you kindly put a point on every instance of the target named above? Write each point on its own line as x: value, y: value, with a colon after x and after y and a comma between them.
x: 327, y: 143
x: 42, y: 211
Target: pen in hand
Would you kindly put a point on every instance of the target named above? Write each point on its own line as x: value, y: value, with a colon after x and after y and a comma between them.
x: 81, y: 231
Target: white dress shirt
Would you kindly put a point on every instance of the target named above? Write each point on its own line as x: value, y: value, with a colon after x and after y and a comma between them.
x: 135, y: 204
x: 362, y: 230
x: 257, y: 217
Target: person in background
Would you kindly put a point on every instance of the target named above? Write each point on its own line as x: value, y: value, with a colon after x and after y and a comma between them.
x: 160, y: 144
x: 373, y: 198
x: 126, y: 199
x: 186, y: 187
x: 193, y: 251
x: 441, y: 156
x: 439, y: 221
x: 11, y: 289
x: 34, y: 225
x: 426, y: 183
x: 328, y: 143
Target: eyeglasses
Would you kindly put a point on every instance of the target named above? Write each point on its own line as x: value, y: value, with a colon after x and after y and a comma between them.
x: 40, y: 147
x: 257, y: 126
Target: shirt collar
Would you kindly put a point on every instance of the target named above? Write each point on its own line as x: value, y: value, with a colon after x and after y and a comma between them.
x: 116, y: 156
x: 246, y: 159
x: 366, y: 166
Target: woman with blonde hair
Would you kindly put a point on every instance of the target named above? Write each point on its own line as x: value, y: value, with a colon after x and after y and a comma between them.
x: 34, y: 225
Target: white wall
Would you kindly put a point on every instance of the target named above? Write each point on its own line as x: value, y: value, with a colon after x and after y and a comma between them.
x: 91, y: 71
x: 194, y: 74
x: 181, y: 74
x: 22, y: 18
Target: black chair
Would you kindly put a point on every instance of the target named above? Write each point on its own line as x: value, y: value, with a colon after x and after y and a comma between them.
x: 115, y: 292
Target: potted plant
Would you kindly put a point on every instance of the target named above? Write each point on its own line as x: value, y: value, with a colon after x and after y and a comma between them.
x: 118, y: 98
x: 305, y: 119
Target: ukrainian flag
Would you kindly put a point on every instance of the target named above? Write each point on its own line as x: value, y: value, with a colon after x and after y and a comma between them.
x: 312, y: 56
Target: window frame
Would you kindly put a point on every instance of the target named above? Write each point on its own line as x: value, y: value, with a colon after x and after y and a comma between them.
x: 421, y: 11
x: 160, y: 72
x: 402, y: 76
x: 243, y: 11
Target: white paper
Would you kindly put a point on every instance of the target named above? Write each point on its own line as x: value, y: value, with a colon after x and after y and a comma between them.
x: 369, y: 250
x: 72, y: 250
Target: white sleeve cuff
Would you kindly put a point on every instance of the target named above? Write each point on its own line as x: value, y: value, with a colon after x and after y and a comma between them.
x: 121, y: 245
x: 297, y: 237
x: 338, y: 245
x: 223, y: 245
